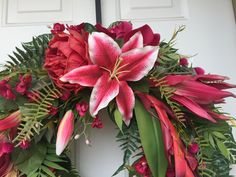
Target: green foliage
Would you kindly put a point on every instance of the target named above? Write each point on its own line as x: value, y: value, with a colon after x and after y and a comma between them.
x: 152, y: 140
x: 33, y: 113
x: 38, y: 160
x: 31, y: 58
x: 168, y: 59
x: 130, y: 143
x: 217, y: 148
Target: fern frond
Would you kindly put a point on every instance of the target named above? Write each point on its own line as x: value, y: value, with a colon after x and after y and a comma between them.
x: 166, y: 93
x: 31, y: 57
x: 33, y: 113
x: 130, y: 143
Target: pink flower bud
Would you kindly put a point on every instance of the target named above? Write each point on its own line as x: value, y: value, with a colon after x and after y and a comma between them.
x: 193, y: 148
x: 82, y: 108
x: 65, y: 131
x: 199, y: 71
x: 183, y: 62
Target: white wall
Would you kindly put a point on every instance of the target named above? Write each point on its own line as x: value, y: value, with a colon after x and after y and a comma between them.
x: 210, y: 33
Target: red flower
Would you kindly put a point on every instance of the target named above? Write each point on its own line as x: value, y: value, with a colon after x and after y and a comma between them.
x: 82, y: 108
x: 5, y: 90
x: 121, y: 29
x: 57, y: 28
x: 193, y: 148
x: 142, y: 167
x: 24, y: 84
x: 149, y: 38
x: 5, y: 146
x: 183, y: 62
x: 53, y: 110
x: 24, y: 144
x: 65, y: 95
x: 66, y: 52
x: 97, y: 123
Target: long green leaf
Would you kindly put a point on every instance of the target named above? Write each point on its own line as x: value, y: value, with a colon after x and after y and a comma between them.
x: 151, y: 139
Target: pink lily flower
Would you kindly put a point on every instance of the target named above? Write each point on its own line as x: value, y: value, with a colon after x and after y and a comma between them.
x: 111, y: 69
x: 198, y: 92
x: 64, y: 132
x: 10, y: 121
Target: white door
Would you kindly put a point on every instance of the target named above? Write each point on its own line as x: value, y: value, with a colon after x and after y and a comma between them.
x: 210, y: 32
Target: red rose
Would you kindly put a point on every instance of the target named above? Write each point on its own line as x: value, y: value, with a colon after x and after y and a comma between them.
x: 65, y: 53
x: 117, y: 31
x: 149, y: 38
x: 57, y: 28
x: 121, y: 29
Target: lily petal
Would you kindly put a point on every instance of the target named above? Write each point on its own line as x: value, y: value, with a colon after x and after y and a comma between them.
x: 136, y: 41
x: 104, y: 91
x: 10, y: 121
x: 84, y: 75
x: 200, y: 92
x: 176, y: 79
x: 193, y: 107
x: 137, y: 63
x: 65, y: 131
x: 103, y: 50
x: 125, y: 101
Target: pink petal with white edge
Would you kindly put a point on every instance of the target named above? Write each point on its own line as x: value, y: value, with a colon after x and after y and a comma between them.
x: 137, y: 63
x: 125, y: 101
x: 193, y: 107
x: 136, y: 41
x: 84, y: 75
x: 103, y: 50
x: 104, y: 91
x: 64, y: 132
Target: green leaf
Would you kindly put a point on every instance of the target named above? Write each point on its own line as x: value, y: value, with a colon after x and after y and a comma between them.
x: 211, y: 140
x: 141, y: 86
x: 54, y: 165
x: 118, y: 119
x: 151, y: 139
x: 219, y: 135
x: 223, y: 149
x: 47, y: 171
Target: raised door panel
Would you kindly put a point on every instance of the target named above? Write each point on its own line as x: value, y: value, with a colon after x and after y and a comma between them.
x: 30, y: 12
x: 153, y: 9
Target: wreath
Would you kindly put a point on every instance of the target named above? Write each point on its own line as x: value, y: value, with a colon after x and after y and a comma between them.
x: 167, y: 111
